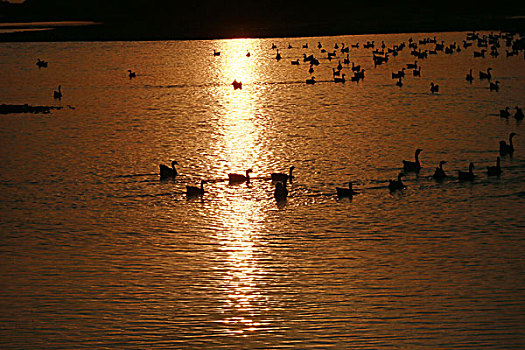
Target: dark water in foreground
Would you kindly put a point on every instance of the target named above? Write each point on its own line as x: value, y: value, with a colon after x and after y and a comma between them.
x: 96, y: 252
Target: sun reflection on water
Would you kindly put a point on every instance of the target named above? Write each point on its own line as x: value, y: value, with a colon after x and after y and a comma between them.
x: 240, y: 143
x: 239, y: 148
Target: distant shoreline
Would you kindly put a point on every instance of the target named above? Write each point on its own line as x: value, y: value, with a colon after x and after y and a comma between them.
x: 62, y: 31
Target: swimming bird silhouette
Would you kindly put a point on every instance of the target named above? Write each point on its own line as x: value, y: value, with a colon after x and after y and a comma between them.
x: 131, y: 74
x: 283, y: 177
x: 413, y: 166
x: 237, y: 84
x: 216, y: 53
x: 417, y: 72
x: 434, y: 88
x: 340, y: 80
x: 278, y: 55
x: 483, y: 75
x: 467, y: 175
x: 399, y: 82
x: 504, y: 113
x: 519, y: 113
x: 296, y: 62
x: 41, y: 64
x: 505, y: 148
x: 194, y: 191
x: 469, y: 77
x: 412, y: 65
x: 167, y: 172
x: 396, y: 184
x: 58, y: 94
x: 238, y: 178
x: 439, y: 174
x: 281, y: 192
x: 494, y: 170
x: 345, y: 192
x: 494, y: 86
x: 311, y: 81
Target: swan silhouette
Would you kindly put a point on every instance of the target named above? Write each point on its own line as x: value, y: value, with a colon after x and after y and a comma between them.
x: 494, y: 86
x: 494, y: 170
x: 41, y: 64
x: 345, y: 192
x: 283, y: 177
x: 58, y: 94
x: 466, y: 175
x: 311, y: 81
x: 519, y: 113
x: 166, y: 172
x: 194, y: 191
x: 434, y: 88
x: 412, y: 65
x: 415, y: 165
x: 237, y: 84
x: 439, y: 174
x: 504, y: 113
x: 396, y: 184
x: 469, y: 77
x: 340, y: 80
x: 238, y: 178
x: 505, y: 148
x: 483, y: 75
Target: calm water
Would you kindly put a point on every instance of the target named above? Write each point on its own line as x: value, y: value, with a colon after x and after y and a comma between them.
x: 96, y: 252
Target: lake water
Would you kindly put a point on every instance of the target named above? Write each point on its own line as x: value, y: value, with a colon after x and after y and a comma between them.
x: 97, y: 252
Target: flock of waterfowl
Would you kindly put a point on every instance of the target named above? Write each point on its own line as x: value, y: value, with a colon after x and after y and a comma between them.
x: 280, y: 180
x: 382, y: 55
x: 439, y: 173
x: 379, y: 57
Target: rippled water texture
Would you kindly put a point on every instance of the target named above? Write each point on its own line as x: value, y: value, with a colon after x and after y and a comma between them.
x: 97, y: 252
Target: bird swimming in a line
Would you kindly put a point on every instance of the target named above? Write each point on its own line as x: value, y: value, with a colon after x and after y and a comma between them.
x: 343, y: 192
x: 283, y: 177
x: 194, y: 191
x: 166, y: 172
x: 238, y: 178
x: 413, y: 166
x: 439, y: 173
x: 396, y: 184
x: 494, y: 170
x: 467, y: 175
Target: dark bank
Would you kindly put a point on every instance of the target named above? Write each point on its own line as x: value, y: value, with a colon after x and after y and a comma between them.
x: 168, y: 20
